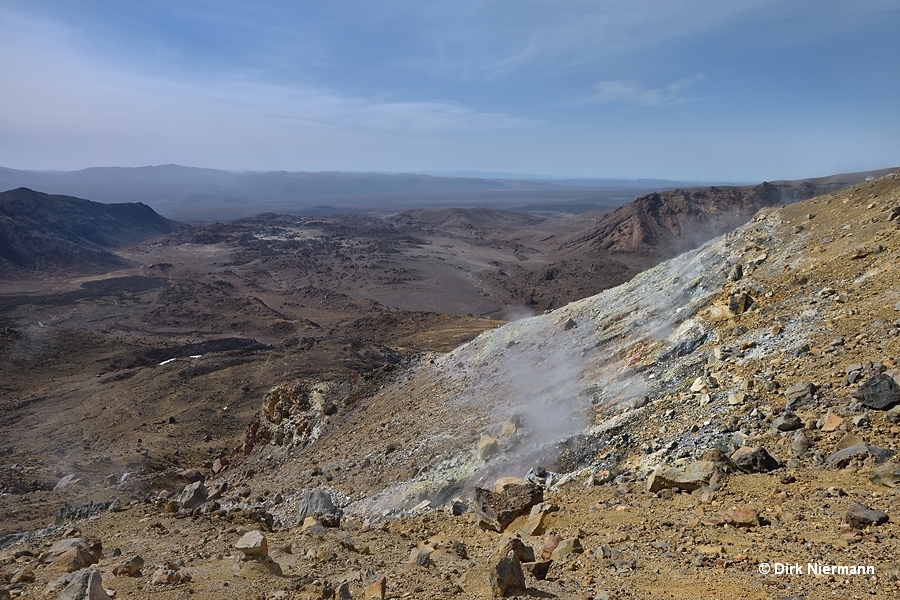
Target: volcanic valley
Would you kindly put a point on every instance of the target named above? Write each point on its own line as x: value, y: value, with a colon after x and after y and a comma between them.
x: 678, y: 397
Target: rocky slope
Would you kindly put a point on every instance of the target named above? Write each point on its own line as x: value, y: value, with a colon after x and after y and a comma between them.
x: 40, y: 232
x: 687, y: 434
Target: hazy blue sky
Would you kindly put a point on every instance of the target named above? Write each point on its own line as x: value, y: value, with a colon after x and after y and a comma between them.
x: 679, y: 89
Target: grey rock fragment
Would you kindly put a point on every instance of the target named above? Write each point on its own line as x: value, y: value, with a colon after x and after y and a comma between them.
x: 754, y: 460
x: 86, y: 585
x: 879, y: 392
x: 193, y: 495
x: 319, y: 505
x: 507, y: 577
x: 860, y: 516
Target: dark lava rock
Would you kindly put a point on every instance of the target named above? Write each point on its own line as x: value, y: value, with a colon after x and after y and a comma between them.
x: 788, y: 422
x: 843, y: 457
x: 887, y: 474
x: 880, y: 392
x: 754, y: 460
x: 495, y: 511
x: 860, y: 516
x: 507, y: 577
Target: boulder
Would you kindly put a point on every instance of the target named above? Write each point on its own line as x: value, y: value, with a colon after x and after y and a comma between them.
x: 507, y: 577
x: 859, y: 516
x: 254, y: 544
x: 844, y: 456
x: 887, y: 474
x: 495, y: 511
x: 566, y: 547
x: 193, y: 495
x: 879, y: 392
x: 87, y: 585
x: 318, y: 505
x: 696, y: 475
x: 130, y: 567
x: 73, y: 554
x: 754, y: 460
x: 800, y: 392
x: 376, y: 590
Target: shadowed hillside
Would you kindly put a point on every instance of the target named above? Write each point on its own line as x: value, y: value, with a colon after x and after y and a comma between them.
x: 40, y: 231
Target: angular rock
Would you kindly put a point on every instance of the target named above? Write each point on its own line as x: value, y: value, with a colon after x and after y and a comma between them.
x: 169, y: 577
x: 879, y: 392
x: 193, y: 495
x: 693, y: 477
x: 740, y: 303
x: 859, y: 516
x: 524, y: 552
x: 550, y: 545
x: 87, y: 585
x: 800, y: 392
x: 253, y: 543
x: 319, y: 505
x: 736, y: 272
x: 832, y: 422
x: 538, y: 569
x: 376, y: 590
x: 507, y: 577
x: 23, y: 575
x: 535, y: 523
x: 343, y: 592
x: 496, y: 511
x: 788, y: 421
x: 801, y: 443
x: 73, y: 554
x: 130, y: 567
x: 420, y: 556
x: 754, y: 460
x: 843, y: 457
x: 887, y: 474
x: 744, y: 516
x: 566, y: 547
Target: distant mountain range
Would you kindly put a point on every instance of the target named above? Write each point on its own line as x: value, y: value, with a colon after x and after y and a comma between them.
x: 187, y: 193
x: 40, y: 232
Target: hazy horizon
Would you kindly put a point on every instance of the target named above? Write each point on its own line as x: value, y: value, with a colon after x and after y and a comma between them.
x: 698, y: 91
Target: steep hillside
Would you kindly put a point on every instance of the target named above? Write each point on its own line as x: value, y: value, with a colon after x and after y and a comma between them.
x: 39, y: 231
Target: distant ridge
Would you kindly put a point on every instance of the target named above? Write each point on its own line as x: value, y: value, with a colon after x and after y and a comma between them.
x: 186, y: 193
x: 40, y: 232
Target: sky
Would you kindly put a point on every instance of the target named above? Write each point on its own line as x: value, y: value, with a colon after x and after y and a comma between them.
x: 701, y: 90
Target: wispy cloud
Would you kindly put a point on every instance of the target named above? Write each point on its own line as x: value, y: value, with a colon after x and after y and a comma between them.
x: 630, y: 92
